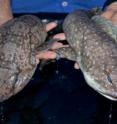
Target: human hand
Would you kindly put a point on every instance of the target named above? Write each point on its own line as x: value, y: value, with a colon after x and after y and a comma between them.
x: 111, y: 12
x: 112, y: 6
x: 5, y: 11
x: 114, y: 18
x: 47, y: 54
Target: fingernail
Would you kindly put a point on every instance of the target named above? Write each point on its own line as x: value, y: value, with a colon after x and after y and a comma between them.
x: 56, y: 22
x: 76, y: 66
x: 37, y: 61
x: 58, y: 56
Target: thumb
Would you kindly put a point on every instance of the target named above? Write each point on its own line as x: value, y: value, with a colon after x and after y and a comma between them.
x: 76, y: 66
x: 50, y: 26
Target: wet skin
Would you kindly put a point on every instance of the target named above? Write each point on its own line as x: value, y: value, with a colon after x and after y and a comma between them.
x: 19, y: 39
x: 94, y: 47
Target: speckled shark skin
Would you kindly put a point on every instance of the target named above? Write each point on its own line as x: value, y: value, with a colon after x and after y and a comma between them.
x: 94, y: 49
x: 18, y: 41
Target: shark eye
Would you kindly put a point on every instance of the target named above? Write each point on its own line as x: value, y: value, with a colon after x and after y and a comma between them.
x: 109, y: 79
x: 107, y: 73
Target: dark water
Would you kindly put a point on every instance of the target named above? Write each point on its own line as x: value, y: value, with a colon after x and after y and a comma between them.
x: 58, y: 95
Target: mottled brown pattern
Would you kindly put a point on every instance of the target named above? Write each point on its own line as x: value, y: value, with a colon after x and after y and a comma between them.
x: 95, y: 50
x: 19, y: 39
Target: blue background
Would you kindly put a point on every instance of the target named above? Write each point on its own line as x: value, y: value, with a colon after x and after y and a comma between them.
x: 33, y: 6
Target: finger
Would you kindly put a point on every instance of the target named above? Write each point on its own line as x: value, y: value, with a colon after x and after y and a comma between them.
x: 58, y: 45
x: 76, y: 66
x: 114, y: 19
x: 107, y: 14
x: 45, y: 55
x: 112, y: 6
x: 60, y: 36
x: 50, y: 26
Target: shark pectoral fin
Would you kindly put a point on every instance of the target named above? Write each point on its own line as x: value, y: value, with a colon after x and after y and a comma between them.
x: 65, y: 52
